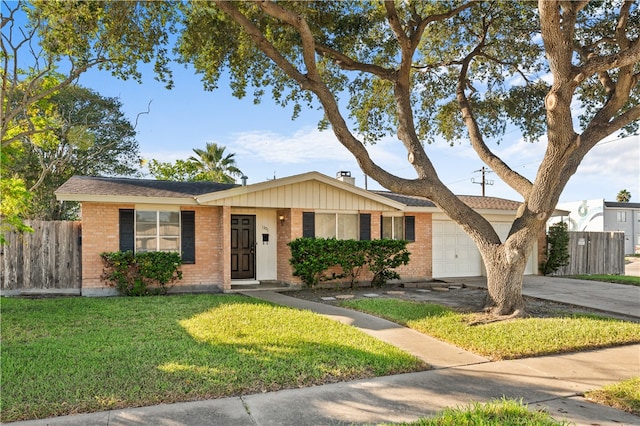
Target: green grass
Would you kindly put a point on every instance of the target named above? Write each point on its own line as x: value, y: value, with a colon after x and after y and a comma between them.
x: 618, y: 279
x: 622, y: 396
x: 72, y: 355
x: 504, y: 412
x: 510, y: 339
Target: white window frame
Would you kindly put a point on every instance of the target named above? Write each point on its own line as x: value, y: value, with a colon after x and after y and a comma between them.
x: 158, y: 237
x: 394, y: 219
x: 338, y: 233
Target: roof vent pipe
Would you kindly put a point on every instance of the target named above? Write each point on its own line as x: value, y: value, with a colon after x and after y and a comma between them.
x: 244, y: 180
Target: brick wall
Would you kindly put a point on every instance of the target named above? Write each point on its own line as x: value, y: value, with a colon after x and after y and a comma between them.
x: 210, y: 249
x: 100, y: 233
x: 420, y: 264
x: 288, y: 231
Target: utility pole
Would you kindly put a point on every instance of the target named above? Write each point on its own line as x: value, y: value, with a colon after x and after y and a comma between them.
x: 484, y: 181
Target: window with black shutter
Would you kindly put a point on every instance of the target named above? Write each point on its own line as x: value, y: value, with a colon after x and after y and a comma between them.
x: 365, y: 226
x: 308, y: 224
x: 188, y: 236
x: 127, y: 230
x: 410, y: 228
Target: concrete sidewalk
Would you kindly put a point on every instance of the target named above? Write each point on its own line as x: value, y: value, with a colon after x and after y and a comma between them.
x: 553, y: 383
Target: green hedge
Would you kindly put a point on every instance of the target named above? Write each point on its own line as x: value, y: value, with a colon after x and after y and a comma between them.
x: 311, y: 259
x: 141, y: 274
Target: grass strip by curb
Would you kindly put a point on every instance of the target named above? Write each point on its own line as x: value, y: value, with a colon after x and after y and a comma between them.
x: 505, y: 412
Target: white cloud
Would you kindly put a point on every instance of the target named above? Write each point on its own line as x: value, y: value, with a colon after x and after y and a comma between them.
x: 614, y: 158
x: 304, y: 145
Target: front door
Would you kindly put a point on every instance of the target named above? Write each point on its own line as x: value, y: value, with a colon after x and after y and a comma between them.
x: 243, y: 247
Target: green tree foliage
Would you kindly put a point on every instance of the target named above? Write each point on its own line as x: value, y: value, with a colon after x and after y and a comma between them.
x: 209, y: 164
x: 623, y: 196
x: 180, y: 170
x: 39, y: 40
x: 557, y: 250
x: 213, y: 165
x: 90, y: 136
x: 418, y: 71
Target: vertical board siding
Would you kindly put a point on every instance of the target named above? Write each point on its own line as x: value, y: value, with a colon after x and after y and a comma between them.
x: 592, y: 253
x: 47, y: 259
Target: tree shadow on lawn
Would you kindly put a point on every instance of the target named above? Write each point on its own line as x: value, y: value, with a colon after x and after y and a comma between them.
x: 215, y: 346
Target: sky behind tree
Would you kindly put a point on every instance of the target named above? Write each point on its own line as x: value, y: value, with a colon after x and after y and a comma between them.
x: 268, y: 143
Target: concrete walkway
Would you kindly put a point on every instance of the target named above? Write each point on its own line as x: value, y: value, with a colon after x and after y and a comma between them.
x: 554, y: 383
x: 616, y: 298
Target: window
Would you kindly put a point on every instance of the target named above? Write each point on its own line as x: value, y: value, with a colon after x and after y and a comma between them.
x: 392, y: 227
x: 153, y: 230
x: 622, y: 216
x: 157, y: 231
x: 398, y: 227
x: 335, y: 225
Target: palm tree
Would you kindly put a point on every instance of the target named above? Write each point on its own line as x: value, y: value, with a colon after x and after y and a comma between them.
x: 623, y: 196
x: 214, y: 166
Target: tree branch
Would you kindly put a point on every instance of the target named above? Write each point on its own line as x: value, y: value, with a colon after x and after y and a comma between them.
x: 513, y: 179
x: 347, y: 63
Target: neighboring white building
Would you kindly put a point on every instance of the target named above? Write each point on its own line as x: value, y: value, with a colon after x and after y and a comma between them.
x: 599, y: 215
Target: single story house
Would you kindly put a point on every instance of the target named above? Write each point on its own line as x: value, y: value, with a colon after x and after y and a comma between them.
x: 232, y: 235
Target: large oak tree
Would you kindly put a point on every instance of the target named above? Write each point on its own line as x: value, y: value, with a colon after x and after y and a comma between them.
x: 563, y: 72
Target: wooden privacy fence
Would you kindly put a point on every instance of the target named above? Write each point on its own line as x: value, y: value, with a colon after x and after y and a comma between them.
x: 47, y: 260
x: 595, y: 253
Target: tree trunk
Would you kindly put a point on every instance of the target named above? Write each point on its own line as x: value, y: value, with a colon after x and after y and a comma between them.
x: 504, y: 281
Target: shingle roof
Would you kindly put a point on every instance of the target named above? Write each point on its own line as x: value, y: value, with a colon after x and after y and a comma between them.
x: 473, y: 201
x: 125, y: 187
x: 408, y: 200
x: 83, y: 185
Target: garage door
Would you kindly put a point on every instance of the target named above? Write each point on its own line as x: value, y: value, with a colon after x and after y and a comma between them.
x: 454, y: 253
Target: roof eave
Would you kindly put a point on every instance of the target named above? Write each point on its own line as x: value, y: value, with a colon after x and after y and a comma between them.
x: 124, y: 199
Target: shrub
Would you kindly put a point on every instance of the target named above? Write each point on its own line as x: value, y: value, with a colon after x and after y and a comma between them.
x: 141, y: 274
x: 557, y: 252
x: 311, y: 258
x: 383, y: 256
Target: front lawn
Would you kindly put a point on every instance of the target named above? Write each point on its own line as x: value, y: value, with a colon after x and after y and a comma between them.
x: 72, y: 355
x: 517, y: 338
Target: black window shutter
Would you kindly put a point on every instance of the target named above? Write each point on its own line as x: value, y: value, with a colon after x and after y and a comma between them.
x: 188, y: 236
x: 410, y: 228
x: 365, y: 226
x: 127, y: 233
x: 308, y: 224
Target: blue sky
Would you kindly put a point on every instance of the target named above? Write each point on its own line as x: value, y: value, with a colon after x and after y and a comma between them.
x: 268, y: 143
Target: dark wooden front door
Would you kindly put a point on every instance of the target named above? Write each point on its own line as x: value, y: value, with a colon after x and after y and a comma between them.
x: 243, y: 247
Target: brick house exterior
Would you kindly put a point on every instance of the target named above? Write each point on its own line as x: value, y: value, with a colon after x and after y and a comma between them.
x: 234, y: 235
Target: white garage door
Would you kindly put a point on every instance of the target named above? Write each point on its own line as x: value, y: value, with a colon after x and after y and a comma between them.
x: 454, y: 253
